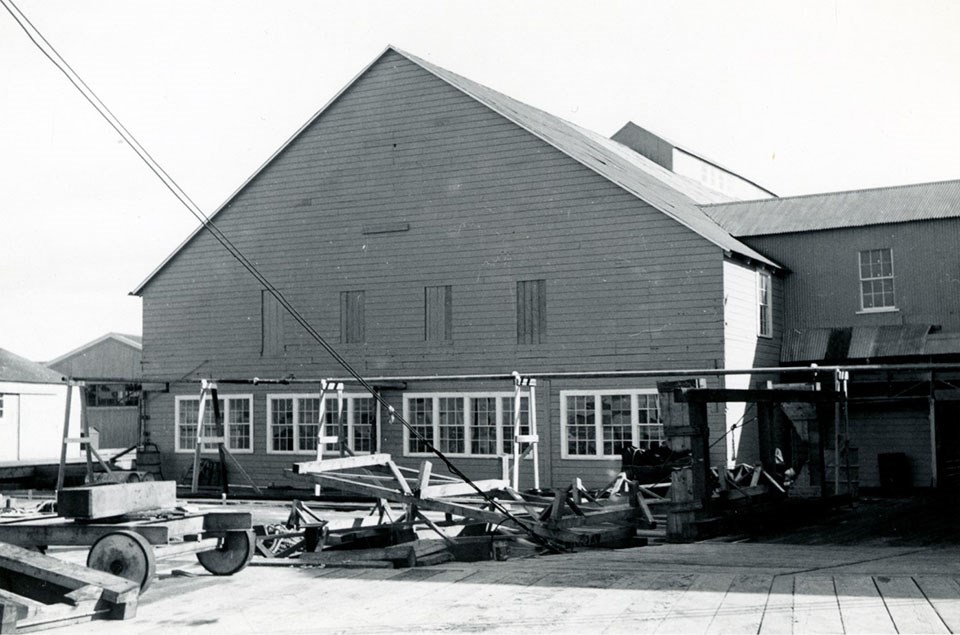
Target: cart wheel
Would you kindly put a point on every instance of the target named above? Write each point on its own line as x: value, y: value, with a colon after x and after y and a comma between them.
x: 234, y: 553
x: 126, y: 554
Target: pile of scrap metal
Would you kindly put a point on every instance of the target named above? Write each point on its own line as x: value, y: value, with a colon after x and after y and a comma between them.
x: 485, y: 519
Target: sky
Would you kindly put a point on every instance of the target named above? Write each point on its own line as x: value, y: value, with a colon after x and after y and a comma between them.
x: 799, y: 97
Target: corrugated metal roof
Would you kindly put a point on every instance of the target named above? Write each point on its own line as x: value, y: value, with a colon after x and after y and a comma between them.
x: 20, y: 369
x: 673, y: 194
x: 858, y: 342
x: 856, y: 208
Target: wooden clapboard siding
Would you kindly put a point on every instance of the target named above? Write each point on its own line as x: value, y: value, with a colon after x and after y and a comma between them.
x: 744, y: 348
x: 486, y: 205
x: 925, y: 265
x: 107, y: 358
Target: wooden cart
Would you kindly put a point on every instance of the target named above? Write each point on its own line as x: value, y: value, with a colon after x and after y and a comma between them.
x: 129, y: 526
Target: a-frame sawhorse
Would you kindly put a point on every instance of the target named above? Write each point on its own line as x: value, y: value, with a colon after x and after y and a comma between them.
x: 208, y: 391
x: 323, y: 439
x: 531, y: 439
x: 84, y: 439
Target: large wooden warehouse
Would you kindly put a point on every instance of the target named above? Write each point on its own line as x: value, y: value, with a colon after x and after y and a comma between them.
x: 435, y: 232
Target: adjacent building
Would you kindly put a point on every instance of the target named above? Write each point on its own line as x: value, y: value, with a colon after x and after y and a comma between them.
x: 111, y: 370
x: 33, y: 408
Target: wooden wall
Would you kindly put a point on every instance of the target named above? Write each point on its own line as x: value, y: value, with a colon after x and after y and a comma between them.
x: 823, y: 287
x: 108, y: 359
x: 405, y: 183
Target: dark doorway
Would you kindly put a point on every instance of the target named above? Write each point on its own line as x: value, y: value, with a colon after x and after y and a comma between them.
x: 947, y: 415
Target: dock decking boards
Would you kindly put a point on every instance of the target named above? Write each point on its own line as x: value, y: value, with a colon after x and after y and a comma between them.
x: 696, y: 588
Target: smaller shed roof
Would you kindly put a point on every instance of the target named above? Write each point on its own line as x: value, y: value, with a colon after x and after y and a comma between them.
x: 834, y: 210
x: 14, y: 368
x: 133, y: 341
x: 864, y: 342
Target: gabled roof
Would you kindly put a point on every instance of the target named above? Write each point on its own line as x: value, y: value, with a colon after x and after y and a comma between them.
x: 675, y: 195
x: 833, y: 210
x: 14, y: 368
x: 133, y: 341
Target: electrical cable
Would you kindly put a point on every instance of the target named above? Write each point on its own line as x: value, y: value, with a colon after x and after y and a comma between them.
x: 207, y: 223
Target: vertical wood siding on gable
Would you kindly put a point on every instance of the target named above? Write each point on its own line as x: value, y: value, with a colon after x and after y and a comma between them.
x: 823, y: 286
x: 487, y: 205
x: 109, y: 358
x: 744, y: 348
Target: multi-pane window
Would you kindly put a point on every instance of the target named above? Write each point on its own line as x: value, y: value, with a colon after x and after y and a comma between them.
x: 600, y: 424
x: 236, y: 411
x: 293, y: 423
x: 876, y: 279
x: 438, y: 313
x: 531, y: 311
x: 764, y: 305
x: 103, y: 395
x: 462, y: 424
x: 352, y: 324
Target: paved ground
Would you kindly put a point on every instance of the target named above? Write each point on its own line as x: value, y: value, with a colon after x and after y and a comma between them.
x: 698, y: 588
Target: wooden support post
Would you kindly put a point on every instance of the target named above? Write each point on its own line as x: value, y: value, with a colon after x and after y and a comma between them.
x: 61, y: 473
x: 766, y: 433
x: 85, y: 430
x: 221, y: 450
x: 685, y: 428
x: 195, y: 480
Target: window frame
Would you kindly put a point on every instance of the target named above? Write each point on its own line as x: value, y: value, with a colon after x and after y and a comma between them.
x: 349, y: 402
x: 892, y: 277
x: 212, y: 448
x: 764, y: 326
x: 634, y: 393
x: 502, y: 423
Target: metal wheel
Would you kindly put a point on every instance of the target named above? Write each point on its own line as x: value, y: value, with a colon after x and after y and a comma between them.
x: 126, y: 554
x: 234, y: 553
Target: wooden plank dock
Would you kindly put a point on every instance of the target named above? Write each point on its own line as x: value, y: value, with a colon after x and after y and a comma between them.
x: 696, y: 588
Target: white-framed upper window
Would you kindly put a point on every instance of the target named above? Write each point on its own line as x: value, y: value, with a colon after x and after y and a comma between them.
x: 764, y: 304
x: 293, y: 423
x: 876, y: 280
x: 463, y: 424
x: 599, y: 424
x: 237, y: 412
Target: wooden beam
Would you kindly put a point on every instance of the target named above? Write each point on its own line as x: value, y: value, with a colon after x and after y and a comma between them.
x: 752, y: 395
x: 344, y: 463
x: 65, y: 574
x: 460, y: 489
x: 117, y: 499
x: 73, y: 534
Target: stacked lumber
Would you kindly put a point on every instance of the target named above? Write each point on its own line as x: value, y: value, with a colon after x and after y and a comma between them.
x: 38, y: 591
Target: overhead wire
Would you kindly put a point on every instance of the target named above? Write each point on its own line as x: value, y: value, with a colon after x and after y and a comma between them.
x: 51, y: 53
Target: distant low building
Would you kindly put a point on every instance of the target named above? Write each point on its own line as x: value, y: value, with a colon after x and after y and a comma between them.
x: 32, y: 412
x: 110, y: 368
x: 689, y: 164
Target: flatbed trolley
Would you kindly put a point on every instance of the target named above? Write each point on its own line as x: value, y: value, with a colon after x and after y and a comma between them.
x: 127, y: 534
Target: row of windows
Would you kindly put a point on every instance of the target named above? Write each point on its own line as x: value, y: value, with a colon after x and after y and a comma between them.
x: 293, y: 423
x: 594, y: 424
x: 437, y: 316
